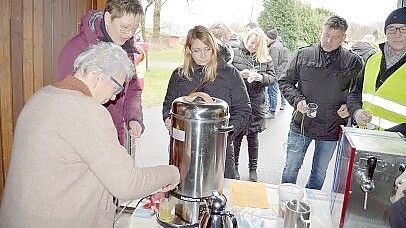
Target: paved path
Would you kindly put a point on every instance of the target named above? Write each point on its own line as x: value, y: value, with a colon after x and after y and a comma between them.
x: 153, y: 148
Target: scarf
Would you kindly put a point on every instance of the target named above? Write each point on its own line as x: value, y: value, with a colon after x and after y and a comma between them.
x: 391, y: 57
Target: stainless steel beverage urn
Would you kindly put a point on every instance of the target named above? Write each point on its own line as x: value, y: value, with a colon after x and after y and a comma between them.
x: 368, y: 163
x: 199, y: 129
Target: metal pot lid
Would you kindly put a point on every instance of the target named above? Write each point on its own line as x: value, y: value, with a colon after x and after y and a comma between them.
x: 184, y: 107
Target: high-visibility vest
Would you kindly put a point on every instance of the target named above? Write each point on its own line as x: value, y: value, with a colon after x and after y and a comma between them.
x: 387, y: 104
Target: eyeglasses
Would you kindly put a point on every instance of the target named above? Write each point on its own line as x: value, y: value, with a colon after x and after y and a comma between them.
x: 128, y: 28
x: 203, y: 51
x: 119, y: 89
x: 393, y: 30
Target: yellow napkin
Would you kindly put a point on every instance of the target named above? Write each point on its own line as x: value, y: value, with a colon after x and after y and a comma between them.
x: 248, y: 194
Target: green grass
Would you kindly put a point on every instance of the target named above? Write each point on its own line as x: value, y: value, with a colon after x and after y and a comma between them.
x: 156, y: 79
x: 166, y: 54
x: 155, y: 84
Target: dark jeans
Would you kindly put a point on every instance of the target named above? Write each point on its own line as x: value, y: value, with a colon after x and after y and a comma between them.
x: 295, y: 153
x: 252, y: 139
x: 273, y: 91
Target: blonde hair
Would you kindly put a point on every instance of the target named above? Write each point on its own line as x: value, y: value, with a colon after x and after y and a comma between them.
x: 210, y: 69
x: 262, y: 54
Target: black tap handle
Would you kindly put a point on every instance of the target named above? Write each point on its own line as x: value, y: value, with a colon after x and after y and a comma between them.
x: 371, y: 165
x: 402, y: 168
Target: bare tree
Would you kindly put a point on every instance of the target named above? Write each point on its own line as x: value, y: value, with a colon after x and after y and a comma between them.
x: 149, y: 3
x: 156, y: 29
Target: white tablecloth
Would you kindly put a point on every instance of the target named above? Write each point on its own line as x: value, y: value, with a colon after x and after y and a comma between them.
x: 265, y: 218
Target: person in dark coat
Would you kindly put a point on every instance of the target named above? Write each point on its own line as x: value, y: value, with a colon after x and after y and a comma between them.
x: 364, y: 47
x: 255, y: 65
x: 378, y: 97
x: 222, y: 35
x: 280, y: 57
x: 321, y: 74
x: 203, y: 71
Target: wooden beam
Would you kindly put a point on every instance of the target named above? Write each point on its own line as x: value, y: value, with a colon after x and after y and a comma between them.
x: 6, y: 121
x: 28, y: 46
x: 38, y: 51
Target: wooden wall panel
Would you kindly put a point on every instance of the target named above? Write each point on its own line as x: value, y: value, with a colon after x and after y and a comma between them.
x: 28, y: 46
x: 48, y: 37
x: 16, y: 28
x: 31, y: 36
x: 100, y: 4
x: 38, y: 55
x: 6, y: 117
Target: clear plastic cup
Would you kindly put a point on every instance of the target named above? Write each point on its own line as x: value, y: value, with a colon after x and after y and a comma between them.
x: 288, y: 192
x: 312, y: 111
x: 166, y: 209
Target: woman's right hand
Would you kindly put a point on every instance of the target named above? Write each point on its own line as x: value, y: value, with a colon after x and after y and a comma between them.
x: 174, y: 180
x: 245, y: 73
x: 168, y: 123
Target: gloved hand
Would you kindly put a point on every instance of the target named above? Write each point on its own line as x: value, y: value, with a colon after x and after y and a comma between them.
x: 362, y: 117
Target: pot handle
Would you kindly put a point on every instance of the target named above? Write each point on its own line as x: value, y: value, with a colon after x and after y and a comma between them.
x: 224, y: 129
x: 232, y: 218
x: 306, y: 222
x: 204, y: 96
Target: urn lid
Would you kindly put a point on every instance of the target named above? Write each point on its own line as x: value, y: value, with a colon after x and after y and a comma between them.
x: 200, y: 107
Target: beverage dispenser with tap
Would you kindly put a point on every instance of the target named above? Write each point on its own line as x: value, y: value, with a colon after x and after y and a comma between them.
x: 368, y: 163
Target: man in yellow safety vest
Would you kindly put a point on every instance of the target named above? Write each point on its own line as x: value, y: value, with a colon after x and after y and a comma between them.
x: 378, y: 98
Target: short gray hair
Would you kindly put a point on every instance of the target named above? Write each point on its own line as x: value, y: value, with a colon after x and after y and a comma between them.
x: 106, y: 57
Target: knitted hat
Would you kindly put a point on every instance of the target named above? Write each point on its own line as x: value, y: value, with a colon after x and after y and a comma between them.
x: 272, y: 34
x: 397, y: 16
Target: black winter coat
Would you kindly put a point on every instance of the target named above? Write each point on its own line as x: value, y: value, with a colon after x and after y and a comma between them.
x: 256, y: 90
x: 227, y: 86
x: 314, y: 76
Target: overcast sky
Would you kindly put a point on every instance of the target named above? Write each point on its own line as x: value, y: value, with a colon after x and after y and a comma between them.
x: 179, y: 16
x: 360, y: 11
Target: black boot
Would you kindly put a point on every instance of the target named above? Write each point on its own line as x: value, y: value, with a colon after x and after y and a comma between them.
x: 237, y: 145
x: 253, y: 175
x: 252, y: 139
x: 237, y: 174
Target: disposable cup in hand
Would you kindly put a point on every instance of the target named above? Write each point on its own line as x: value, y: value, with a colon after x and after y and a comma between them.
x: 312, y: 110
x: 288, y: 192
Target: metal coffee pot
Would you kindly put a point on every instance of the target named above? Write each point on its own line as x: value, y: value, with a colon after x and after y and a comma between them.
x: 297, y: 214
x: 215, y: 215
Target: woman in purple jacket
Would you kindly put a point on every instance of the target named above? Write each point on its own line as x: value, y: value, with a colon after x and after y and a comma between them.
x: 116, y: 24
